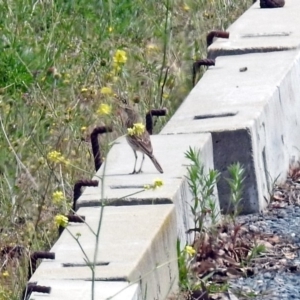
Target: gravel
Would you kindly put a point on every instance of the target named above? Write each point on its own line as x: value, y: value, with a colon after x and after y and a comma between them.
x: 277, y: 278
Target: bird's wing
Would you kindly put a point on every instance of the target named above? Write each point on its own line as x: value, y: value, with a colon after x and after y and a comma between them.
x: 145, y: 143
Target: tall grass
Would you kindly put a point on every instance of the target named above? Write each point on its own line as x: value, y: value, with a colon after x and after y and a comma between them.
x: 55, y: 57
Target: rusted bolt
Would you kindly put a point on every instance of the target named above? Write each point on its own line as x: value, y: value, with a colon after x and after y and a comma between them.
x: 95, y: 144
x: 271, y: 3
x: 149, y: 119
x: 77, y: 189
x: 71, y: 219
x: 216, y: 33
x: 76, y: 218
x: 202, y: 62
x: 33, y: 287
x: 38, y: 255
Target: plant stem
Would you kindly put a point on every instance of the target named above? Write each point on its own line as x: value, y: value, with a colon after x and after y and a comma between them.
x: 164, y: 51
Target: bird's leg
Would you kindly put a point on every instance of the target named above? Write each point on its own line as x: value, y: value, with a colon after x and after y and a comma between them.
x: 135, y: 155
x: 140, y: 170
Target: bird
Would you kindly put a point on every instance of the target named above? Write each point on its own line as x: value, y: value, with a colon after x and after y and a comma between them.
x: 139, y: 142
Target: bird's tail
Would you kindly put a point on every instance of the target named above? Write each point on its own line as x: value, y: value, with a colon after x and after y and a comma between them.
x: 156, y: 163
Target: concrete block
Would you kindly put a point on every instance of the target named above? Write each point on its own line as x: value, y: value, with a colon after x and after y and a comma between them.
x: 123, y: 189
x: 261, y: 30
x: 137, y: 244
x: 81, y: 290
x: 253, y: 117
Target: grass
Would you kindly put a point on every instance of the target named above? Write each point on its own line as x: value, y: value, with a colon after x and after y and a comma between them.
x: 55, y: 57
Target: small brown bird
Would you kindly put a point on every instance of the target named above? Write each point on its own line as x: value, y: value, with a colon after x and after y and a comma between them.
x: 139, y: 142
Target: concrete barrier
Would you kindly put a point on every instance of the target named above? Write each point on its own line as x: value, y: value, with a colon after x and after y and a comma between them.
x: 135, y: 245
x: 81, y: 290
x: 169, y: 151
x: 252, y: 117
x: 245, y: 109
x: 261, y: 30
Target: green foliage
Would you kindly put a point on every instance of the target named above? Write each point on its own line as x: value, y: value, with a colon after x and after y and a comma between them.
x: 256, y: 251
x: 202, y: 186
x: 236, y: 172
x: 218, y: 287
x: 182, y: 268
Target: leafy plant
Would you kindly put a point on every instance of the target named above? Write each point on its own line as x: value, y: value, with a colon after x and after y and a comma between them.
x: 236, y: 172
x: 202, y: 187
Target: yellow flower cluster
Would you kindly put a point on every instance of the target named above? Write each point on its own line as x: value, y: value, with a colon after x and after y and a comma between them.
x: 190, y: 250
x: 5, y: 274
x: 61, y: 220
x: 57, y: 157
x: 120, y: 57
x: 104, y: 109
x: 58, y: 197
x: 186, y: 7
x: 137, y: 129
x: 156, y: 184
x: 106, y: 90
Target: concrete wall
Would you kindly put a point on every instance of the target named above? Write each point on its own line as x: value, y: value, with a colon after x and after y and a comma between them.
x: 231, y: 115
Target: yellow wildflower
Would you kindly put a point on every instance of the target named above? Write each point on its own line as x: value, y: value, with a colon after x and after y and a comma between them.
x: 58, y: 197
x: 137, y: 129
x: 130, y: 131
x: 110, y: 29
x: 120, y: 57
x: 190, y: 250
x: 57, y: 157
x: 106, y: 90
x: 84, y: 89
x: 186, y: 7
x: 54, y: 156
x: 5, y: 274
x: 83, y: 128
x: 117, y: 68
x: 158, y: 183
x: 104, y: 109
x: 61, y: 220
